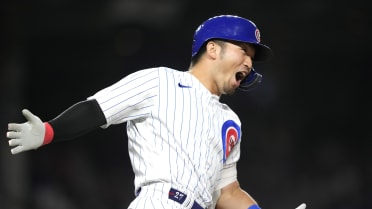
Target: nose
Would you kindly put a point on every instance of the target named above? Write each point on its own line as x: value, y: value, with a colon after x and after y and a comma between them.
x: 248, y: 63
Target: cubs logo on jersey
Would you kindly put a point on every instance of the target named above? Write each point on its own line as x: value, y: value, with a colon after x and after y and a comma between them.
x: 230, y: 137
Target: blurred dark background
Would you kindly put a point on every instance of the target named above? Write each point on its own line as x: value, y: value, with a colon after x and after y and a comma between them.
x: 306, y: 129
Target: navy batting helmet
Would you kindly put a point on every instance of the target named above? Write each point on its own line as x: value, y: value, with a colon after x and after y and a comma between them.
x: 233, y: 28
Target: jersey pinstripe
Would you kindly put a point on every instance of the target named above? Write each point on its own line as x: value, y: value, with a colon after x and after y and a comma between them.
x: 175, y: 128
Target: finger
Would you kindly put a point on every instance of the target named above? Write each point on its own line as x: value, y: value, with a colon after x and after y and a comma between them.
x: 13, y: 135
x: 16, y: 150
x: 14, y: 127
x: 302, y: 206
x: 15, y: 142
x: 29, y: 116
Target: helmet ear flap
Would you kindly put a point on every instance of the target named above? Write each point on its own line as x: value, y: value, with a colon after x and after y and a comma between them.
x: 250, y: 81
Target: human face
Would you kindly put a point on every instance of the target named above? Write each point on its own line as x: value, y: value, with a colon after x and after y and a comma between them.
x: 233, y: 64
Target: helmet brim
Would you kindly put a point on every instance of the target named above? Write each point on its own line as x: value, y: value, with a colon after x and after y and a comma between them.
x: 263, y: 52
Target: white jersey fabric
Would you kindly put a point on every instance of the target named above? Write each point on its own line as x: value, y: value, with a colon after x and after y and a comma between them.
x: 179, y: 133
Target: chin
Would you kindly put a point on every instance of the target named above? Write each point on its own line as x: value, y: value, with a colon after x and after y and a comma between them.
x: 229, y: 91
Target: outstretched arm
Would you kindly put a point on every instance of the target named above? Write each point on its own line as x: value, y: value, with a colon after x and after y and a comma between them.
x: 79, y: 119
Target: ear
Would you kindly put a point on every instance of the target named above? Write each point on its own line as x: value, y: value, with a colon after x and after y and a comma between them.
x: 211, y: 49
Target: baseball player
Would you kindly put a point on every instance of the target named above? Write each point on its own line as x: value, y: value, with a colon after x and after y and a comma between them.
x: 184, y: 144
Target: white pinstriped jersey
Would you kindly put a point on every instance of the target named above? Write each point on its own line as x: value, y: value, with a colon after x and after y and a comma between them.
x: 178, y: 132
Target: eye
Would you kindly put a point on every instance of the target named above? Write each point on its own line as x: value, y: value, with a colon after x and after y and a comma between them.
x: 244, y: 50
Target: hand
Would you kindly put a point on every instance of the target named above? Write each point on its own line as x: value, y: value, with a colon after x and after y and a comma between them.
x: 302, y: 206
x: 26, y: 136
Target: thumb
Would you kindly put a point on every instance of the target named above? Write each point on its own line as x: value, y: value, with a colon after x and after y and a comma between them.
x: 29, y: 116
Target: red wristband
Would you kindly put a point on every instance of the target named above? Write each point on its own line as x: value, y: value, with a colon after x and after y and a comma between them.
x: 49, y: 133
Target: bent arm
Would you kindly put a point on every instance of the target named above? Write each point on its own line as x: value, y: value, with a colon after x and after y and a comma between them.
x: 233, y: 197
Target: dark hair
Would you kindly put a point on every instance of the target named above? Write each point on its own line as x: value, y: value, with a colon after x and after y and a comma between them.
x: 197, y: 56
x: 203, y: 48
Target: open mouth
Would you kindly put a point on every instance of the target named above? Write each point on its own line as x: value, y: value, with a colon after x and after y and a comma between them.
x: 239, y: 76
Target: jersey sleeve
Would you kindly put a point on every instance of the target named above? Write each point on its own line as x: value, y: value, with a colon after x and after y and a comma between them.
x: 228, y: 175
x: 130, y: 98
x: 234, y: 156
x: 229, y: 170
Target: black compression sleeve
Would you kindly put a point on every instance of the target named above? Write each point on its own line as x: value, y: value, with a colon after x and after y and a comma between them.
x: 79, y: 119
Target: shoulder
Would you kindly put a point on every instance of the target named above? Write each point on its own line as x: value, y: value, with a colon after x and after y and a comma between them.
x: 167, y: 75
x: 155, y: 71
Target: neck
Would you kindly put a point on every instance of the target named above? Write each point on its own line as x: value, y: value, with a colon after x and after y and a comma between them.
x: 204, y: 76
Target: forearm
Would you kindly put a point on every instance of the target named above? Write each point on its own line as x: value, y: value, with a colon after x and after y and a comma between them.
x: 79, y: 119
x: 233, y: 197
